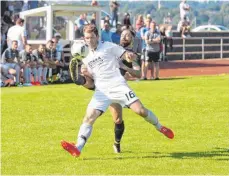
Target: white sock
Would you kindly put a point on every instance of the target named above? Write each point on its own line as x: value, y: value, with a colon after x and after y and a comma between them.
x: 151, y: 118
x: 83, y: 135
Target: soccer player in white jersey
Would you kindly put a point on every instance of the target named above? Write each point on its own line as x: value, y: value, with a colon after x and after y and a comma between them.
x: 103, y: 65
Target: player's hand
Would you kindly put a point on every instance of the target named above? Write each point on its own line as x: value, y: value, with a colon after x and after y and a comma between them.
x: 130, y: 56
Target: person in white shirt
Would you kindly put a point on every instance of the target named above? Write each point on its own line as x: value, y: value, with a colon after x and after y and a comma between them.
x: 184, y: 10
x: 18, y: 33
x: 102, y: 63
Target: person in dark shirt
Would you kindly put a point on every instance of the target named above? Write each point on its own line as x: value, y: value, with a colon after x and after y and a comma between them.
x: 42, y: 63
x: 10, y: 58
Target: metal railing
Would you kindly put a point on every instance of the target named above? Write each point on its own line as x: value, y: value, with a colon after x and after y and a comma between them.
x: 219, y: 40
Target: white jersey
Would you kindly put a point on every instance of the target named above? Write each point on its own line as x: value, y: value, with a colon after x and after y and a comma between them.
x: 183, y: 12
x: 103, y: 65
x: 16, y: 32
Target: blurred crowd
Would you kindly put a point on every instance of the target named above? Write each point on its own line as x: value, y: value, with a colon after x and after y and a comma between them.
x: 25, y: 65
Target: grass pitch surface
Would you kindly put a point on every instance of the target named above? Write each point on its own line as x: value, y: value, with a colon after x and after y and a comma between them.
x: 35, y: 120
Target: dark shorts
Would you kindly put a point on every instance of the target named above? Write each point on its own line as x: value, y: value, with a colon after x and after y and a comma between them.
x: 152, y: 56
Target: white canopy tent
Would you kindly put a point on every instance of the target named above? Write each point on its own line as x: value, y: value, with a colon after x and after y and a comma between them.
x: 68, y: 14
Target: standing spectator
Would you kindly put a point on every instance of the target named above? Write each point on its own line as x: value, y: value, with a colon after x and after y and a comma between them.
x: 33, y: 4
x: 126, y: 20
x: 153, y: 39
x: 139, y: 23
x: 184, y: 10
x: 94, y: 3
x: 166, y: 36
x: 117, y: 35
x: 10, y: 58
x: 106, y: 33
x: 93, y: 20
x: 143, y: 58
x: 114, y: 11
x: 17, y: 32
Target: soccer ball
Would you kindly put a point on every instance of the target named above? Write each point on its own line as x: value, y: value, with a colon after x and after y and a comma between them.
x: 79, y: 49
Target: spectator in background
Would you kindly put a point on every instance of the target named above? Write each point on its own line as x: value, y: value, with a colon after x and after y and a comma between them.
x: 139, y: 23
x: 42, y: 63
x: 93, y: 20
x: 94, y: 3
x: 185, y: 29
x: 114, y: 11
x: 153, y: 39
x: 7, y: 76
x: 33, y: 4
x: 117, y: 34
x: 106, y: 33
x: 168, y: 19
x: 184, y: 10
x: 29, y: 64
x: 10, y: 58
x: 143, y: 58
x: 126, y: 20
x: 106, y: 20
x: 80, y: 22
x: 166, y: 36
x: 17, y: 32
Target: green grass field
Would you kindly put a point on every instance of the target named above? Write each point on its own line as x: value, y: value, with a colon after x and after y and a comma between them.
x: 35, y: 120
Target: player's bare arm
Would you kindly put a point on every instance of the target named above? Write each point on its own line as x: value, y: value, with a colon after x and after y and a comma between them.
x: 133, y: 72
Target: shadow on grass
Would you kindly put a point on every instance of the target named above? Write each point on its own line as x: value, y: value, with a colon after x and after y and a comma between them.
x: 215, y: 154
x: 221, y: 154
x: 167, y: 79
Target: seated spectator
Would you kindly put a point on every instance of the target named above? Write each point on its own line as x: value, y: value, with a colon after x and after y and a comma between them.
x: 10, y: 58
x: 184, y: 29
x: 7, y: 76
x: 116, y: 35
x: 126, y: 20
x: 106, y: 33
x: 29, y: 64
x: 51, y: 55
x: 42, y: 63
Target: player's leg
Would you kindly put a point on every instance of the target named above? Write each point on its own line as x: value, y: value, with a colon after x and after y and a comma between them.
x: 116, y: 112
x: 83, y: 134
x: 99, y: 103
x: 150, y: 117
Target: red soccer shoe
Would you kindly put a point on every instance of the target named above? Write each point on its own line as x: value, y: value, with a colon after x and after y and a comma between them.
x: 167, y: 132
x: 71, y: 148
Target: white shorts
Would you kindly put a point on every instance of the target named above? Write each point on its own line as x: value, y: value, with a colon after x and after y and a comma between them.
x: 122, y: 95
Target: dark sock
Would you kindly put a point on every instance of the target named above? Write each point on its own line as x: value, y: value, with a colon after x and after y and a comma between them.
x: 119, y: 130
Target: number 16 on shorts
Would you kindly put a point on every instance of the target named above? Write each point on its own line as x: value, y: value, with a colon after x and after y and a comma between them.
x: 130, y: 95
